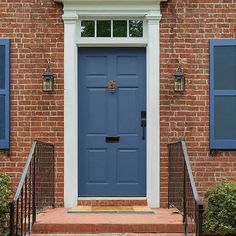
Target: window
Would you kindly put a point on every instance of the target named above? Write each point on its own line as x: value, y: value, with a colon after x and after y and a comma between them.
x: 223, y: 94
x: 112, y: 28
x: 4, y: 93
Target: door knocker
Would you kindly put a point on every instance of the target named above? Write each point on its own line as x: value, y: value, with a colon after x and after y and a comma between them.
x: 111, y: 86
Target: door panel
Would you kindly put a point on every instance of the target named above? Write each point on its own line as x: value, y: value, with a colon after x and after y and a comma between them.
x: 126, y: 65
x: 127, y: 166
x: 96, y: 66
x: 128, y: 121
x: 111, y: 168
x: 97, y: 166
x: 96, y: 120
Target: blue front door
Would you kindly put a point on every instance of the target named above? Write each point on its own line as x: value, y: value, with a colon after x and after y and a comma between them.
x: 112, y: 139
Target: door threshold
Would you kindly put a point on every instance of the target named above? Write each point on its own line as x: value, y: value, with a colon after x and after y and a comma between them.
x: 112, y: 198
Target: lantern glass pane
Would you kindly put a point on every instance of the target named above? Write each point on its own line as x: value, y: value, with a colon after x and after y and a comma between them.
x: 48, y: 84
x: 179, y: 84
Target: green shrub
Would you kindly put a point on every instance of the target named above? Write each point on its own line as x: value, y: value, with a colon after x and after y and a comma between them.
x: 220, y: 213
x: 4, y: 207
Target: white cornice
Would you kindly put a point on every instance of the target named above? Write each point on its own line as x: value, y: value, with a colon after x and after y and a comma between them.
x: 153, y: 17
x: 133, y: 8
x: 108, y: 1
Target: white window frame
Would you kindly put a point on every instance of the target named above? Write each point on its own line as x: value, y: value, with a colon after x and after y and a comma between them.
x: 112, y: 39
x: 75, y: 10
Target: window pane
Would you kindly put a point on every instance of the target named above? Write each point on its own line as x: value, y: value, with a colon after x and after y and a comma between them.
x: 225, y: 117
x: 119, y: 28
x: 2, y: 116
x: 2, y: 67
x: 87, y: 28
x: 135, y: 28
x: 103, y: 28
x: 225, y: 67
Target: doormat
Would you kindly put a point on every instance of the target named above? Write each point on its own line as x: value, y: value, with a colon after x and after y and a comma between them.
x: 112, y: 209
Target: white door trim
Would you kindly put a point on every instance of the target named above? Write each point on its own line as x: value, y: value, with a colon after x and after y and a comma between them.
x: 71, y: 19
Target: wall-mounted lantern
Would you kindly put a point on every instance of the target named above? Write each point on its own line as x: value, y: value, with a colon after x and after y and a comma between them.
x: 179, y: 80
x: 48, y: 80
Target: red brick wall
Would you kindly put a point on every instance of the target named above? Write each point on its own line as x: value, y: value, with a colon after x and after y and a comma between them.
x: 186, y: 28
x: 36, y: 32
x: 35, y: 29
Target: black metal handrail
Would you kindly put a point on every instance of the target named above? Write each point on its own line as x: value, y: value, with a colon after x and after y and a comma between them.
x: 182, y: 192
x: 36, y: 189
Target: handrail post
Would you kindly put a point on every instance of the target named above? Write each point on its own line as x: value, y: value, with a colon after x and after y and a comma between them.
x: 31, y: 189
x: 12, y: 216
x: 34, y: 193
x: 187, y: 201
x: 54, y: 190
x: 184, y: 200
x: 200, y: 220
x: 168, y: 177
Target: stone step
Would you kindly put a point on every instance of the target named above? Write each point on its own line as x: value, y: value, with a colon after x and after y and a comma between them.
x: 60, y: 221
x: 112, y: 201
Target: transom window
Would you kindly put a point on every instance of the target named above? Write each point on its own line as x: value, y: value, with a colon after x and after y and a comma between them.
x: 112, y: 28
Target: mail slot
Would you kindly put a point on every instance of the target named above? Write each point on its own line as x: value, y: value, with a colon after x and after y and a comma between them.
x: 112, y: 139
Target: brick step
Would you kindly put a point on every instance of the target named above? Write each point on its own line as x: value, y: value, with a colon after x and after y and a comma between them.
x: 115, y: 234
x: 59, y: 221
x: 112, y: 201
x: 108, y: 228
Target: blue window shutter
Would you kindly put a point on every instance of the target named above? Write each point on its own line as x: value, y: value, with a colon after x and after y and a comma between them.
x: 223, y: 94
x: 4, y: 93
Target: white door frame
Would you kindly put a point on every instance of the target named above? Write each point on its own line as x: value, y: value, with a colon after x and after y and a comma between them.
x: 73, y: 11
